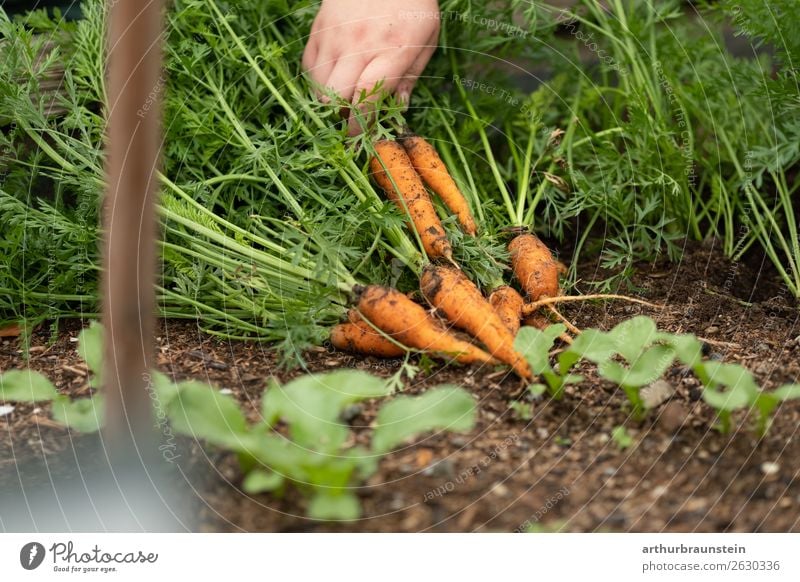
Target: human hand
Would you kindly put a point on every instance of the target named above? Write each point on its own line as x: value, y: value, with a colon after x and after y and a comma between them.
x: 351, y: 48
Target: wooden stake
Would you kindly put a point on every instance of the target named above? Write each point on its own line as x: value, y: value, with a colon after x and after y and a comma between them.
x: 135, y: 84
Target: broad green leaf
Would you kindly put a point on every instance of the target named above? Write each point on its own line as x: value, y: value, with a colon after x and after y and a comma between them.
x: 688, y: 349
x: 652, y: 364
x: 200, y: 411
x: 90, y: 348
x: 646, y: 369
x: 632, y: 336
x: 593, y: 345
x: 613, y: 371
x: 445, y: 407
x: 535, y: 344
x: 741, y: 388
x: 282, y: 455
x: 788, y: 392
x: 259, y: 481
x: 311, y: 405
x: 766, y: 403
x: 730, y: 400
x: 26, y: 386
x: 348, y: 386
x: 164, y: 389
x: 83, y: 415
x: 339, y: 506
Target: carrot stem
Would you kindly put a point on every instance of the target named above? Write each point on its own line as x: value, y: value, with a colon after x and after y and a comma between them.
x: 563, y: 319
x: 531, y: 307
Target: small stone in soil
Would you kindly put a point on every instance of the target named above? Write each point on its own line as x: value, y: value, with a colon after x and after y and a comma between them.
x: 672, y: 417
x: 656, y: 393
x: 711, y: 329
x: 769, y: 468
x: 659, y: 491
x: 500, y: 489
x: 443, y: 468
x: 459, y: 441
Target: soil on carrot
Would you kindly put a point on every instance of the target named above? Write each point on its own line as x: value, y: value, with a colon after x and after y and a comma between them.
x: 559, y: 470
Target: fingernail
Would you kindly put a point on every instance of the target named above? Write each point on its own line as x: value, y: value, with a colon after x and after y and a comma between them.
x: 405, y: 98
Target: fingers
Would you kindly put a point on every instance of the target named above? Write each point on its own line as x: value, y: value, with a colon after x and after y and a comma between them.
x: 344, y: 78
x: 386, y: 69
x: 319, y: 64
x: 409, y: 80
x: 310, y: 55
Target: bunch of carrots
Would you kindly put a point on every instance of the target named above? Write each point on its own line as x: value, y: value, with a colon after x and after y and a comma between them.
x: 388, y: 323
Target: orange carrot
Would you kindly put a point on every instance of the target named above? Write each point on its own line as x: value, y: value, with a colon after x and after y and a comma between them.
x: 360, y: 338
x: 411, y: 325
x: 508, y: 305
x: 392, y: 164
x: 434, y: 173
x: 451, y: 292
x: 534, y: 266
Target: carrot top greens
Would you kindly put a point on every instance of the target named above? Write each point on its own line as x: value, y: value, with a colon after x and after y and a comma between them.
x: 623, y: 130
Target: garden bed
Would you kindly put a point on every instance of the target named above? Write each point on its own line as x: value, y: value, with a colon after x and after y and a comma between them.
x: 559, y: 470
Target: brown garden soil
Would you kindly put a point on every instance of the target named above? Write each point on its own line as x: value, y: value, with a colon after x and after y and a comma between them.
x: 559, y: 470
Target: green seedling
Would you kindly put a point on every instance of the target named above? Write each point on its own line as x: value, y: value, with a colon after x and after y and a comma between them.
x: 621, y: 437
x: 26, y: 386
x: 84, y: 414
x: 730, y: 387
x: 315, y: 454
x: 90, y: 349
x: 632, y: 355
x: 535, y: 346
x: 767, y: 403
x: 522, y: 410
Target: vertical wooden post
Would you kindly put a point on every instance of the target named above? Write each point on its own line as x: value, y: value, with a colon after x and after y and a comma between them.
x: 135, y: 84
